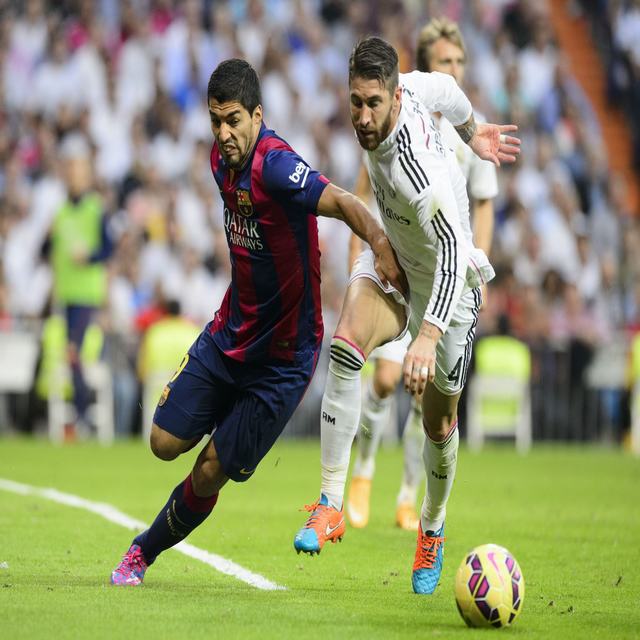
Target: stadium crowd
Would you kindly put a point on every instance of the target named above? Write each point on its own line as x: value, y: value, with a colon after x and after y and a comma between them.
x: 129, y: 78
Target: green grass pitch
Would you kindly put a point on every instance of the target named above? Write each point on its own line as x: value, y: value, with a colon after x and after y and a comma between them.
x: 571, y: 516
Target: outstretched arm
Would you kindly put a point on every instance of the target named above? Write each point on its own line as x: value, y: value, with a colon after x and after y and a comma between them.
x: 440, y: 92
x: 490, y: 141
x: 338, y: 203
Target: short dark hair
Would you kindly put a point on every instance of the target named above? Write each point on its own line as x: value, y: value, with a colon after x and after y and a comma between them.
x: 235, y: 80
x: 375, y: 59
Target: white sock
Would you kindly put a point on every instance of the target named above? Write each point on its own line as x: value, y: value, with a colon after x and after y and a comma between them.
x: 407, y: 495
x: 440, y: 464
x: 375, y: 417
x: 413, y: 446
x: 339, y: 417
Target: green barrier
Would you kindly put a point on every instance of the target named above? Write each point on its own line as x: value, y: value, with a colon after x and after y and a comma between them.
x: 507, y: 358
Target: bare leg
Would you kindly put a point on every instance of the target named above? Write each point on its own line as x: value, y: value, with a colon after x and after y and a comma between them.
x: 375, y: 415
x: 369, y: 318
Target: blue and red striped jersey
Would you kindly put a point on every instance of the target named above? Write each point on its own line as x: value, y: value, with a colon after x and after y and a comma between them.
x: 271, y: 309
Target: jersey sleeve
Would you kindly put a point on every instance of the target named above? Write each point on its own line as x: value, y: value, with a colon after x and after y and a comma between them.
x: 450, y: 273
x: 483, y: 178
x: 439, y: 92
x: 438, y: 215
x: 290, y: 179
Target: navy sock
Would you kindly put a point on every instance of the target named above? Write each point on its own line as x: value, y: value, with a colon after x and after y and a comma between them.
x: 183, y: 512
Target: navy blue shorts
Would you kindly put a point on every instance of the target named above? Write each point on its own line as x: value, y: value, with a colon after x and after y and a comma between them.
x: 246, y: 405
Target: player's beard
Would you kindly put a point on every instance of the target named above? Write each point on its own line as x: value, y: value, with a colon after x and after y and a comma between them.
x: 372, y: 142
x: 240, y: 155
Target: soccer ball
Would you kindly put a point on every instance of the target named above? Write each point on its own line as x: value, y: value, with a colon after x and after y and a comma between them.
x: 489, y: 587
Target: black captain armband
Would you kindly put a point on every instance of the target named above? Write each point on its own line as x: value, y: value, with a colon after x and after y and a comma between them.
x: 467, y: 130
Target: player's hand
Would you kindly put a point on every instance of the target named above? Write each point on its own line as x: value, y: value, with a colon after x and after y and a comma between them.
x: 419, y: 365
x: 491, y: 142
x: 387, y: 266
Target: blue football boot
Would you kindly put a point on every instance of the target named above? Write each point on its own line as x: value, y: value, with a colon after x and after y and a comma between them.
x: 427, y: 565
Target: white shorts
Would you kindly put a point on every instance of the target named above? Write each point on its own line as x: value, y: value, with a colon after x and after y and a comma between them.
x: 453, y: 353
x: 393, y: 351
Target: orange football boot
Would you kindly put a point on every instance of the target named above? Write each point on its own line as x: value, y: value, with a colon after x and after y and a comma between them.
x: 324, y: 523
x: 358, y: 502
x: 406, y: 517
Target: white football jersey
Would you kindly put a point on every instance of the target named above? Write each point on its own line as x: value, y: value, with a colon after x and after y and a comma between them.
x: 422, y: 198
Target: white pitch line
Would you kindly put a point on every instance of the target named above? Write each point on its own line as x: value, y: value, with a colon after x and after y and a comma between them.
x: 109, y: 512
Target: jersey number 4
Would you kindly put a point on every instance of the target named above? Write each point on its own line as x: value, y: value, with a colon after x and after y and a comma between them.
x: 454, y: 375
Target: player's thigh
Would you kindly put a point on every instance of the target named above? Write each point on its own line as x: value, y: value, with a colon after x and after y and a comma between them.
x: 261, y: 410
x: 388, y: 364
x: 370, y: 317
x: 373, y: 313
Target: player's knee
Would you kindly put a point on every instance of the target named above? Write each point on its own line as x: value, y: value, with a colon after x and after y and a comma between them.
x: 437, y: 428
x: 163, y: 451
x: 163, y: 445
x: 385, y: 382
x: 355, y: 333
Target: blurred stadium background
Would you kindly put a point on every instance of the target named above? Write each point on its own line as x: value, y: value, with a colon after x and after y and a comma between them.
x: 122, y: 85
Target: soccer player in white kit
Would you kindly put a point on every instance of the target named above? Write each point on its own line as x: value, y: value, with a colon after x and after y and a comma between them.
x: 441, y: 48
x: 421, y: 194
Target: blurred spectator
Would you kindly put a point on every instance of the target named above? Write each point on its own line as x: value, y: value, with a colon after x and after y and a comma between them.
x: 28, y: 39
x: 589, y: 280
x: 56, y: 81
x: 80, y: 245
x: 131, y: 77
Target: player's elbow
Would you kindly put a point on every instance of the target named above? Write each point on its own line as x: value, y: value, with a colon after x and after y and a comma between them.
x: 332, y: 202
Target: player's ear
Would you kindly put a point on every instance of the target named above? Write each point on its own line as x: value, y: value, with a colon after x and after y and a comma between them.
x: 256, y: 116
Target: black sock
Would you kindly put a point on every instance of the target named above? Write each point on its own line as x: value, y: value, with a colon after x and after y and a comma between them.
x: 183, y: 512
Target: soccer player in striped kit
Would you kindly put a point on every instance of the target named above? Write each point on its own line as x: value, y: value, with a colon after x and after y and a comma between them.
x: 441, y: 48
x: 421, y: 194
x: 247, y: 371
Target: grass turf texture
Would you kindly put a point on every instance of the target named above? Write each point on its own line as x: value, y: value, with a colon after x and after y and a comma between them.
x: 570, y: 516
